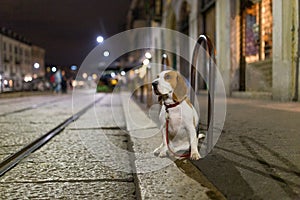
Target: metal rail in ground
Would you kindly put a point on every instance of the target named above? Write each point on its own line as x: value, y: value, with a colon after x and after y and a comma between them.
x: 208, y: 45
x: 14, y: 159
x: 29, y: 108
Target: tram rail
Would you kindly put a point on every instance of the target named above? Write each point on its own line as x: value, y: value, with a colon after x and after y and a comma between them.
x: 12, y: 160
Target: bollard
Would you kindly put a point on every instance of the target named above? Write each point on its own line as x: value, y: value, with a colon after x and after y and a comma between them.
x: 149, y: 87
x: 211, y: 84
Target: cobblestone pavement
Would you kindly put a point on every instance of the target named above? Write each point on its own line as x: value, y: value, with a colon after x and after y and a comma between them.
x: 93, y: 158
x: 256, y: 157
x: 161, y: 178
x: 73, y: 165
x: 258, y: 153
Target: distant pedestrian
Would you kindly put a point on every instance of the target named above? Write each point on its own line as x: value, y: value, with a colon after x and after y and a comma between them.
x: 70, y: 83
x: 58, y: 80
x: 63, y: 82
x: 52, y: 81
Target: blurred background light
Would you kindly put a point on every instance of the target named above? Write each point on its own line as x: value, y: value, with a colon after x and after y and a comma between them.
x: 106, y: 53
x: 148, y: 55
x: 73, y: 67
x: 100, y: 39
x: 146, y: 61
x: 36, y: 65
x: 53, y: 69
x: 84, y: 75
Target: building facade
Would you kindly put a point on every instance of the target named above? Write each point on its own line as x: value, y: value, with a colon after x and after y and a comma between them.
x: 257, y: 44
x: 38, y: 61
x: 256, y: 41
x: 17, y: 60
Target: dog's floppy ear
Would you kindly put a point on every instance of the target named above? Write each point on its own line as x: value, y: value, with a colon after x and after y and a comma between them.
x: 180, y: 90
x: 160, y: 99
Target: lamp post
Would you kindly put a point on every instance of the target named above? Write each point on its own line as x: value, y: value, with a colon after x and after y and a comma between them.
x: 146, y: 62
x: 1, y: 81
x: 100, y: 39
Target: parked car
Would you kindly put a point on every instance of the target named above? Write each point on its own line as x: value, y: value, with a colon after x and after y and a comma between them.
x: 107, y: 81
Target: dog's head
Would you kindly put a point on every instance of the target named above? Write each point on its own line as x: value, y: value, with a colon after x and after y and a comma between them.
x: 170, y: 84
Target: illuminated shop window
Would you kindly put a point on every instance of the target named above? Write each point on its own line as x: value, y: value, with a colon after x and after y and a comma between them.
x: 257, y: 30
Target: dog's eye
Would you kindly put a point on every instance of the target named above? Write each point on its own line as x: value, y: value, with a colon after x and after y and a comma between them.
x: 167, y: 77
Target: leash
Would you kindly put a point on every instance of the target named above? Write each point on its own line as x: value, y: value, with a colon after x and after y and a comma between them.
x: 186, y: 155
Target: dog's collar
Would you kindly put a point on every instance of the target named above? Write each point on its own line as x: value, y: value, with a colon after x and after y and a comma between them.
x: 174, y: 104
x: 171, y: 105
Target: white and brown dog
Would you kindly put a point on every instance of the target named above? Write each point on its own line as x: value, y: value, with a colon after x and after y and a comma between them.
x: 178, y: 117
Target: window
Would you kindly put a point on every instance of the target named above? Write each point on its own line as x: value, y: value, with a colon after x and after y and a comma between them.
x: 257, y: 30
x: 157, y: 10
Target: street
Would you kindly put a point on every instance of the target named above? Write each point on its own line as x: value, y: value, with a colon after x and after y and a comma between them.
x: 99, y: 98
x: 256, y: 157
x: 63, y: 168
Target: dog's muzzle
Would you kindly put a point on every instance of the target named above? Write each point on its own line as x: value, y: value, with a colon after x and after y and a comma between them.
x: 154, y: 85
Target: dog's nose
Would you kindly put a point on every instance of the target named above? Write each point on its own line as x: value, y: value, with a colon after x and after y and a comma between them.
x: 154, y: 83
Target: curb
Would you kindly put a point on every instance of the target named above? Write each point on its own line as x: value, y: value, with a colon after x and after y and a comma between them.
x: 179, y: 179
x: 252, y: 95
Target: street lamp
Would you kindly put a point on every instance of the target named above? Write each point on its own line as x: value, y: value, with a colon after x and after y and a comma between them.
x: 1, y: 82
x: 100, y: 39
x: 36, y: 65
x: 146, y: 61
x: 148, y: 55
x: 84, y: 75
x: 106, y: 53
x: 53, y: 69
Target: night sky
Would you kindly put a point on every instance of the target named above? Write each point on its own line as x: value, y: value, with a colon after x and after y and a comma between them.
x: 67, y: 29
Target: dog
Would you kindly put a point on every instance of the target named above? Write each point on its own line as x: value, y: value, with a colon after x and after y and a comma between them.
x: 180, y: 132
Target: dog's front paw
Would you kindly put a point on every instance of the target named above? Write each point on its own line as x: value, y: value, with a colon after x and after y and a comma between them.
x: 195, y: 156
x: 163, y: 154
x: 201, y: 136
x: 156, y: 152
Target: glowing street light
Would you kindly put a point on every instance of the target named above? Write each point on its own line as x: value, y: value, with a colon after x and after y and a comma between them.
x: 106, y: 53
x: 148, y: 55
x: 123, y: 73
x: 84, y: 75
x: 94, y: 76
x: 100, y: 39
x: 36, y: 65
x: 146, y: 61
x: 53, y: 69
